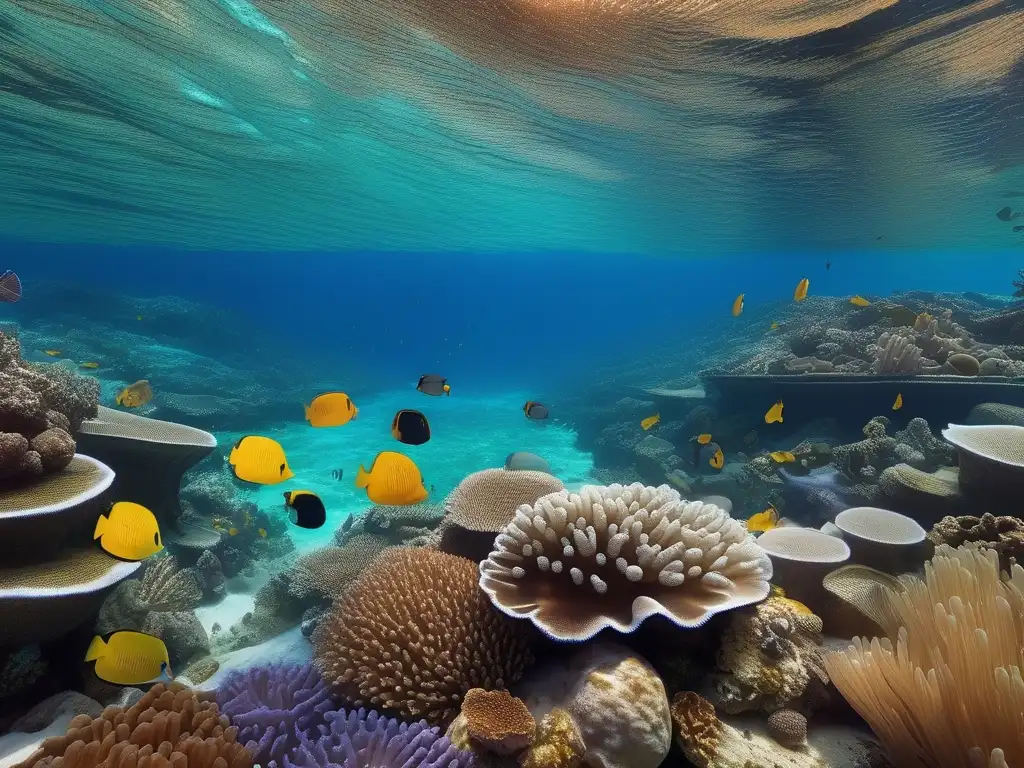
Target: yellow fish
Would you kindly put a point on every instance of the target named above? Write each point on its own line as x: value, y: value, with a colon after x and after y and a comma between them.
x: 129, y: 658
x: 135, y: 394
x: 650, y: 421
x: 52, y: 352
x: 232, y: 531
x: 704, y: 439
x: 923, y: 319
x: 782, y: 457
x: 331, y: 409
x: 128, y: 531
x: 774, y: 414
x: 801, y: 290
x: 774, y: 326
x: 138, y: 317
x: 90, y: 365
x: 262, y: 532
x: 899, y: 401
x: 261, y: 460
x: 860, y: 301
x: 393, y: 479
x: 737, y: 305
x: 718, y: 459
x: 763, y: 521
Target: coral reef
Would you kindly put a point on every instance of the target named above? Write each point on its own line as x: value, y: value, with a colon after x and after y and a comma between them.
x: 1003, y: 533
x: 558, y: 743
x: 168, y: 726
x: 770, y: 659
x: 273, y: 707
x: 414, y: 633
x: 493, y: 721
x: 41, y: 405
x: 614, y: 556
x: 164, y: 587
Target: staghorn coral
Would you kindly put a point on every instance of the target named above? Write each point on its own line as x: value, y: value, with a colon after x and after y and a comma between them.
x: 273, y: 706
x: 613, y: 556
x: 359, y: 739
x: 1002, y: 533
x: 169, y: 727
x: 944, y: 688
x: 769, y: 657
x: 493, y: 721
x: 558, y: 743
x: 414, y: 633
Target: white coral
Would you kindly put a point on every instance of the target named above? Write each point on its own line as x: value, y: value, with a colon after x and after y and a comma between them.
x: 635, y: 551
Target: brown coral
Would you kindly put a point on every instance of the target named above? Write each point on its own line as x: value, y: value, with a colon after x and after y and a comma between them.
x: 167, y: 587
x: 414, y: 633
x: 788, y: 727
x: 329, y: 571
x: 485, y: 501
x: 169, y: 727
x: 498, y: 721
x: 1003, y: 533
x: 558, y: 743
x: 697, y: 726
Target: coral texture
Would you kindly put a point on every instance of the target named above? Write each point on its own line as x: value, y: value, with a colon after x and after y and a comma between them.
x: 414, y: 633
x: 614, y: 556
x: 1003, y: 533
x: 272, y: 706
x: 788, y: 727
x: 497, y: 721
x: 697, y: 725
x: 367, y: 740
x: 169, y: 727
x: 487, y: 500
x: 770, y: 655
x: 558, y: 743
x: 944, y: 688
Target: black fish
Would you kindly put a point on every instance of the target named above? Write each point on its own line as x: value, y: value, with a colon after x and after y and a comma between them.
x: 828, y: 265
x: 410, y: 427
x: 434, y: 384
x: 305, y: 509
x: 1006, y: 213
x: 535, y: 410
x: 1019, y: 228
x: 10, y: 287
x: 337, y: 474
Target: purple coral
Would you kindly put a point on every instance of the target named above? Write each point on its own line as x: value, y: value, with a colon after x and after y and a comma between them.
x: 361, y: 740
x: 275, y: 708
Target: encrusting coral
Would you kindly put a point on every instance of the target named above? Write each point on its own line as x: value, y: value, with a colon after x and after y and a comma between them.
x: 770, y: 656
x: 414, y: 634
x: 169, y: 727
x: 1002, y: 533
x: 558, y: 743
x: 944, y: 688
x: 41, y: 405
x: 575, y: 563
x: 494, y: 721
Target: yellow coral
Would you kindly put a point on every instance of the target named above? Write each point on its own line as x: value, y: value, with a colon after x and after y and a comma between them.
x: 558, y: 743
x: 697, y: 725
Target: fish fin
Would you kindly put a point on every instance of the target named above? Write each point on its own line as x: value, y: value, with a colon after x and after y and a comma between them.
x: 97, y: 649
x: 101, y: 526
x: 305, y: 409
x: 362, y: 478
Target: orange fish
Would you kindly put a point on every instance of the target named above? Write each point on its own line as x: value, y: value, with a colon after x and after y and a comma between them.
x: 801, y: 290
x: 737, y: 305
x: 774, y: 414
x: 704, y: 439
x: 899, y: 402
x: 718, y: 459
x: 650, y: 421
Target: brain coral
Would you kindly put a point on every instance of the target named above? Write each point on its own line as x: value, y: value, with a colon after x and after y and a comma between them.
x: 613, y: 556
x: 414, y: 633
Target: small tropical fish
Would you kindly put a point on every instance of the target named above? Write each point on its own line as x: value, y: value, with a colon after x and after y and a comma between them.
x: 410, y: 427
x: 520, y: 460
x: 535, y: 411
x: 774, y: 326
x: 828, y: 265
x: 434, y: 384
x: 232, y: 531
x: 750, y: 438
x: 10, y: 287
x: 782, y: 457
x: 261, y: 460
x: 717, y: 459
x: 393, y: 479
x: 128, y: 531
x: 126, y: 657
x: 305, y: 509
x: 737, y: 305
x: 262, y: 532
x: 774, y: 414
x: 53, y: 352
x: 135, y: 395
x: 801, y: 290
x: 331, y: 409
x: 860, y: 301
x: 650, y: 421
x: 138, y: 317
x: 704, y: 439
x: 1019, y: 228
x: 90, y: 365
x: 899, y: 401
x: 763, y: 521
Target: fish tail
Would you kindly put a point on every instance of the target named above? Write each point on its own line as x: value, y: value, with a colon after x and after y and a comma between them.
x: 306, y: 409
x: 362, y: 478
x: 101, y: 527
x: 447, y: 390
x: 97, y: 649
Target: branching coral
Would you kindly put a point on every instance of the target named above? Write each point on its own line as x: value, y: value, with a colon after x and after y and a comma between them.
x: 414, y: 633
x: 169, y: 727
x: 612, y: 556
x: 273, y: 706
x: 945, y: 687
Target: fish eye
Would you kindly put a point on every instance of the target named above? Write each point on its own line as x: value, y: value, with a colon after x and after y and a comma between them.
x: 282, y: 469
x: 156, y: 538
x: 348, y: 402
